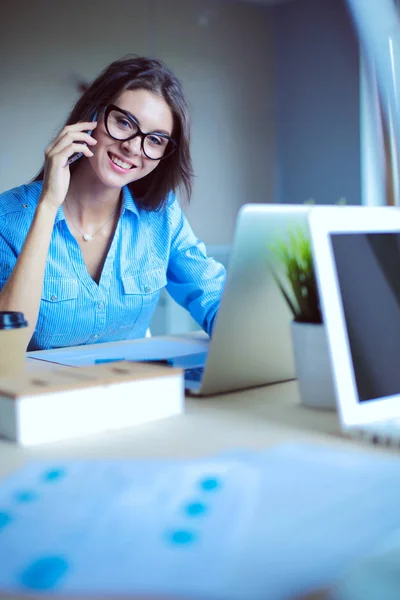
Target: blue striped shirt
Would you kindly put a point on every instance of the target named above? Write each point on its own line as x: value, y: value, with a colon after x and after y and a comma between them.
x: 149, y: 250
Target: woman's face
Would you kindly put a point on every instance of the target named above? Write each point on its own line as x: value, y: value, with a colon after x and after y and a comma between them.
x: 118, y: 163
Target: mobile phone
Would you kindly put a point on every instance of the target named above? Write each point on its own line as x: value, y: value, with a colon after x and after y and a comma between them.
x: 78, y: 155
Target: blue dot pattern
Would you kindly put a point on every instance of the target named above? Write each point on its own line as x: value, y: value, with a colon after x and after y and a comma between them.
x: 44, y: 573
x: 26, y: 496
x: 54, y: 475
x: 5, y: 519
x: 210, y: 484
x: 196, y: 509
x: 182, y: 537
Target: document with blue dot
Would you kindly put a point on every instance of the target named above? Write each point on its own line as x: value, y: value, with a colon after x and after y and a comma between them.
x: 113, y: 527
x: 241, y: 526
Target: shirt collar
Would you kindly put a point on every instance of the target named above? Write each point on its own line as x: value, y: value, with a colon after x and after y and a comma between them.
x: 128, y: 203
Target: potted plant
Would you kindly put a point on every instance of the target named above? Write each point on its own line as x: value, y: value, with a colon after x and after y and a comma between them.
x: 294, y: 273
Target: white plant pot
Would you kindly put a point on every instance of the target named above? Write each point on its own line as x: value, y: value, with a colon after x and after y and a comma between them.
x: 313, y: 365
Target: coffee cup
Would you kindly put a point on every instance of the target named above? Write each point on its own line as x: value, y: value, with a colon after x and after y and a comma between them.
x: 13, y: 343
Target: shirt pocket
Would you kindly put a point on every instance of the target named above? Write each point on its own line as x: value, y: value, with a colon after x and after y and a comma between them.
x: 57, y: 314
x: 141, y: 293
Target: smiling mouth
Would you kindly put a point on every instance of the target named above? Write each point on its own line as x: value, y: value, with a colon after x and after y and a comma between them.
x: 120, y: 163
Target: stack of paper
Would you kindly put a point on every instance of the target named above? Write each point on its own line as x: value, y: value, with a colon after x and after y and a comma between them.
x: 243, y: 526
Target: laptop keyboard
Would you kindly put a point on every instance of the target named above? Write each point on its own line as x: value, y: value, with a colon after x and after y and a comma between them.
x: 194, y: 374
x: 381, y: 432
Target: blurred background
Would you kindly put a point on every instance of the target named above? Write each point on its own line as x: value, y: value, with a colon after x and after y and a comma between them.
x: 273, y: 88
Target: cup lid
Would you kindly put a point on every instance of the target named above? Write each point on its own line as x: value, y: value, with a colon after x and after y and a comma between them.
x: 12, y: 320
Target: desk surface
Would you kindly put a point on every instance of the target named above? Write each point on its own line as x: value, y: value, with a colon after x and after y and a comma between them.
x: 254, y: 418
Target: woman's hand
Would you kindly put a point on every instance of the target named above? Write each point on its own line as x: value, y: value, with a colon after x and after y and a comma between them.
x: 73, y: 138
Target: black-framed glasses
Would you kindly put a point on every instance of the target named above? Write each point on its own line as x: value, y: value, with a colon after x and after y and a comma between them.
x: 121, y: 126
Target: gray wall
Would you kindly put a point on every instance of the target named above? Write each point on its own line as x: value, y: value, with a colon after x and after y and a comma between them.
x: 317, y: 102
x: 222, y: 51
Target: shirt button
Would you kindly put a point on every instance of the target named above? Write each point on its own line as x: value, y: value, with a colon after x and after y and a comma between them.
x: 54, y: 297
x: 100, y: 305
x: 147, y: 289
x: 24, y: 206
x: 96, y: 335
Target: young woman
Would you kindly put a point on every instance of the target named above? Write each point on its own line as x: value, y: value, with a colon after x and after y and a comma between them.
x: 86, y: 248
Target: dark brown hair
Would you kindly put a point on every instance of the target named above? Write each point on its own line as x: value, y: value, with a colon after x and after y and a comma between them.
x: 130, y: 73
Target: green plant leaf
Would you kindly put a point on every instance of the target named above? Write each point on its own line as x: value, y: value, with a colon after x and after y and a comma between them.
x: 293, y: 256
x: 285, y: 295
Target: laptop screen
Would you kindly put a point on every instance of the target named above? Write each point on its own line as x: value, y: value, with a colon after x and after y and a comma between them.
x: 368, y: 272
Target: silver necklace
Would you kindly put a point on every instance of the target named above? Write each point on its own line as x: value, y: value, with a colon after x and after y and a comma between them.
x: 86, y: 236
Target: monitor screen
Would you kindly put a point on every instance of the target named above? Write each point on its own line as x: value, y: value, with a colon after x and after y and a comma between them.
x: 368, y: 272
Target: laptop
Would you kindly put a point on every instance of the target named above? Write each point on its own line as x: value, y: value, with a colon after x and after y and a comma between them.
x: 251, y: 343
x: 357, y: 261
